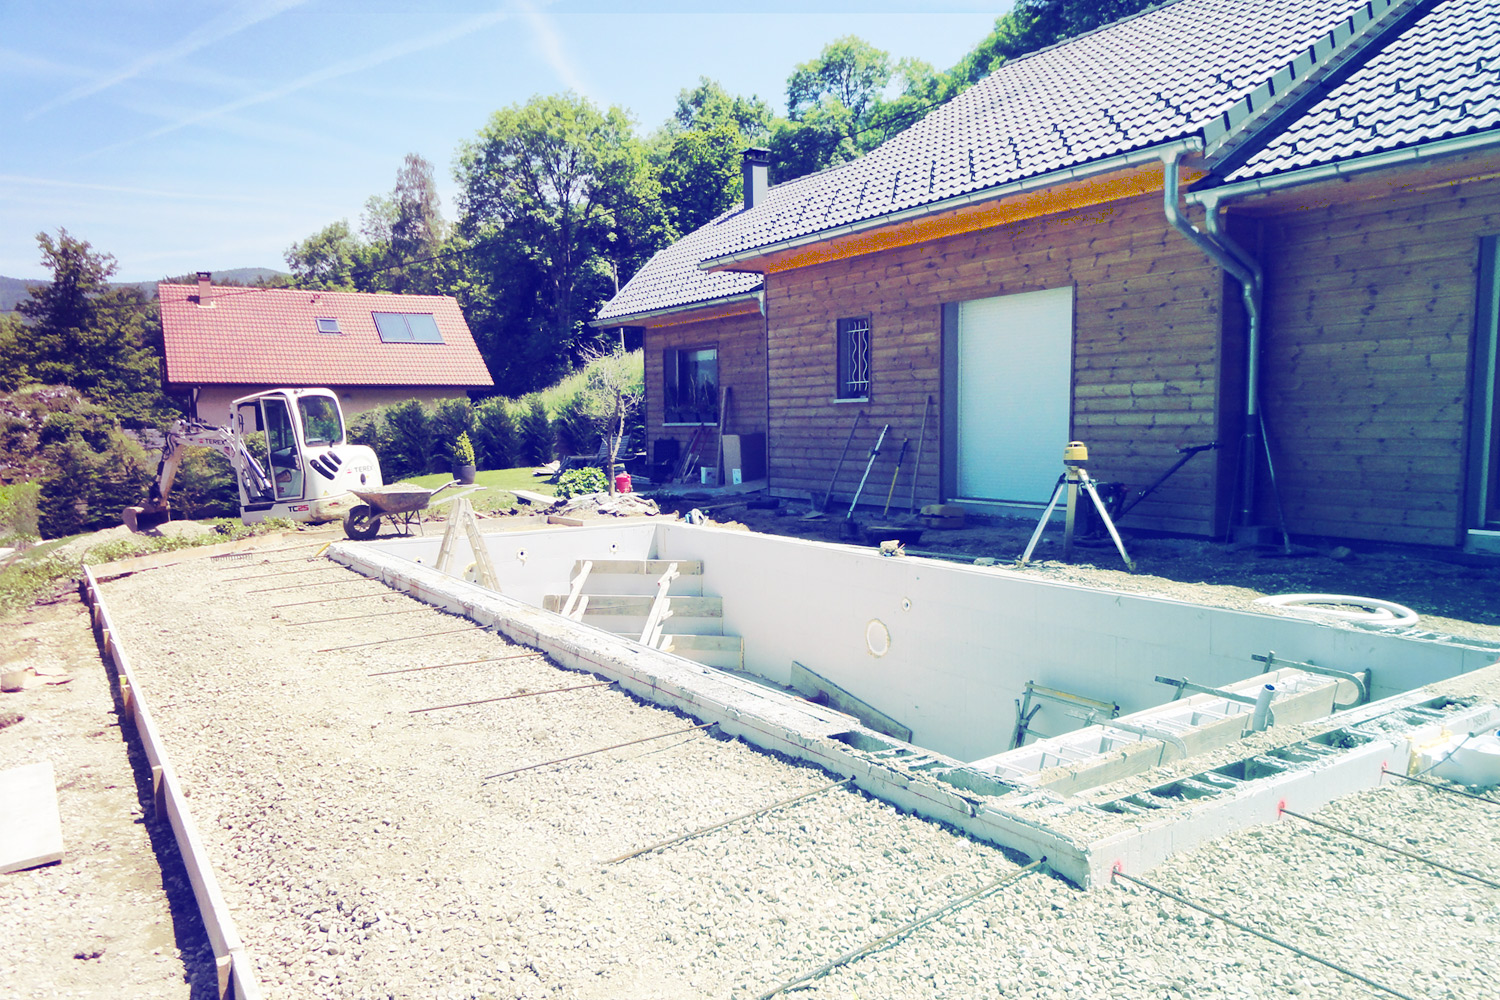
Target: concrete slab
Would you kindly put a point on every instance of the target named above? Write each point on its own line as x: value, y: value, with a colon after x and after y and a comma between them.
x: 30, y: 825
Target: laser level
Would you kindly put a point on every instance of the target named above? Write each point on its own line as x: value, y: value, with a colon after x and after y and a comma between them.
x: 1074, y: 478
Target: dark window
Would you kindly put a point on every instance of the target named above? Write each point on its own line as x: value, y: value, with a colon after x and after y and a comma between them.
x: 328, y: 326
x: 407, y: 328
x: 692, y: 385
x: 854, y: 358
x: 320, y: 420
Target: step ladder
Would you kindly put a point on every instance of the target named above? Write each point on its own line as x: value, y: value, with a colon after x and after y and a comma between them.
x: 659, y: 602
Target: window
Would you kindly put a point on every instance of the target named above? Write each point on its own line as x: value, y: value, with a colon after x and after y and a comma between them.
x: 854, y: 358
x: 407, y: 328
x: 328, y: 325
x: 692, y: 385
x: 320, y: 420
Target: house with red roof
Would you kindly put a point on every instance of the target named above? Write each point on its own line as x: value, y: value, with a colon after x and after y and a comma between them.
x: 1272, y: 226
x: 221, y: 343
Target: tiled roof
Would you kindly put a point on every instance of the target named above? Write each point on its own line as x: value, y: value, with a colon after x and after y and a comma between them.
x: 1140, y: 82
x: 1440, y: 78
x: 673, y: 278
x: 270, y: 336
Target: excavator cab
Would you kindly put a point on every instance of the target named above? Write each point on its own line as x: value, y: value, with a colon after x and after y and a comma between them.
x: 289, y: 453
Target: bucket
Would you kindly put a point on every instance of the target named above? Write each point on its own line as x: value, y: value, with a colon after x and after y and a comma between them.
x: 622, y: 483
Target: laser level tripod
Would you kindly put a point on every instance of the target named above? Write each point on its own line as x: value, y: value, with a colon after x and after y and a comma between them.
x: 1074, y: 478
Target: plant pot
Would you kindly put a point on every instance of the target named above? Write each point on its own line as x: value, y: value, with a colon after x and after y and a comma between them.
x: 464, y: 474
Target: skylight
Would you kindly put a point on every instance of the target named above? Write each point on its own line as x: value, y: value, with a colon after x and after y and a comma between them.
x: 328, y: 325
x: 407, y: 328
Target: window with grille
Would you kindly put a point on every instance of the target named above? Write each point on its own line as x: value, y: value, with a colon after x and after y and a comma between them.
x: 854, y: 358
x: 691, y: 382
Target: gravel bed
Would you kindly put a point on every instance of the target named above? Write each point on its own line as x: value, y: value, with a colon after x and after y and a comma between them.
x: 364, y: 853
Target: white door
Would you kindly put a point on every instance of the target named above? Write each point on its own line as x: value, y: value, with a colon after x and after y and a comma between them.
x: 1015, y: 370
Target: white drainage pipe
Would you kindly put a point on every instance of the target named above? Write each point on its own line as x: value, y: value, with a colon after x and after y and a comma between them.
x: 1359, y: 610
x: 1262, y: 716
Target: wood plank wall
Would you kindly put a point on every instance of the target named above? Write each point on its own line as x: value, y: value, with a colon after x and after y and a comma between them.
x: 741, y: 341
x: 1146, y: 355
x: 1370, y: 313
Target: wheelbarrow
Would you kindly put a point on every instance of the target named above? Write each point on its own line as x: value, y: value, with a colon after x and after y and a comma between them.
x: 402, y: 504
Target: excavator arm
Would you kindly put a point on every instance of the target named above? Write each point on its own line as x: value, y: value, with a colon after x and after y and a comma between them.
x: 157, y: 507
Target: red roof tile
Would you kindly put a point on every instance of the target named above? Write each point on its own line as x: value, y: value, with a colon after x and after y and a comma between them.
x: 269, y: 336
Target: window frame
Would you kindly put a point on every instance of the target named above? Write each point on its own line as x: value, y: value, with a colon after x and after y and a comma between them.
x: 672, y: 372
x: 845, y: 365
x: 411, y: 333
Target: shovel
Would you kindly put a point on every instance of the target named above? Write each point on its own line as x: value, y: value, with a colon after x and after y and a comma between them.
x: 820, y: 509
x: 850, y: 528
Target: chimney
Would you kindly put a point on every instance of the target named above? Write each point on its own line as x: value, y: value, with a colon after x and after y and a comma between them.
x: 205, y: 289
x: 754, y: 164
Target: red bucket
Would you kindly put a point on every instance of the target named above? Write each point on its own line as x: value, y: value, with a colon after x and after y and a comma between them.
x: 622, y: 483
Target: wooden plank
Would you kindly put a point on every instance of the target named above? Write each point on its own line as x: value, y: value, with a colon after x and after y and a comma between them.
x: 30, y: 824
x: 538, y: 499
x: 645, y: 567
x: 816, y: 686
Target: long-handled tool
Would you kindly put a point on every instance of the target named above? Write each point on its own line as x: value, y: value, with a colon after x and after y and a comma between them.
x: 820, y: 509
x: 900, y: 455
x: 917, y: 469
x: 850, y: 528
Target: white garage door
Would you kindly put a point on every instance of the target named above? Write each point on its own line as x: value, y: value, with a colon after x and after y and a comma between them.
x: 1015, y: 369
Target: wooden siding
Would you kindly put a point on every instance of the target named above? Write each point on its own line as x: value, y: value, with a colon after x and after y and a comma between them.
x: 1147, y: 348
x: 742, y: 367
x: 1370, y: 313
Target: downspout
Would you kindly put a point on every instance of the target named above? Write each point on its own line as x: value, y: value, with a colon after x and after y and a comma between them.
x: 1239, y: 265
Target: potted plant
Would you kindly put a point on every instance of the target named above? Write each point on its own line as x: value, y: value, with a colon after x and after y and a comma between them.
x: 463, y: 459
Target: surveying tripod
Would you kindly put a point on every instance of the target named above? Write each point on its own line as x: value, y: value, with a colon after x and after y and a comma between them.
x: 1074, y: 478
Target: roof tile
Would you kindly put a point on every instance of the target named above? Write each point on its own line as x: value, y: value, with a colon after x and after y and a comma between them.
x: 266, y: 336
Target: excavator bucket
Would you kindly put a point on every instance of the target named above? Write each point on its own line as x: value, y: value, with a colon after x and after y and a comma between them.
x: 144, y: 519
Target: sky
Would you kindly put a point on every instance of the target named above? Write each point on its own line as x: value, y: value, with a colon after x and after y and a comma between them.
x: 213, y: 135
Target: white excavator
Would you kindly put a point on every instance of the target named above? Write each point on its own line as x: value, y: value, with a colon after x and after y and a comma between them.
x: 304, y: 470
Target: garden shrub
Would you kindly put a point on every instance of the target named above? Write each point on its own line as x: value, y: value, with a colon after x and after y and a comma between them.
x: 411, y: 446
x: 579, y: 482
x: 535, y: 431
x: 495, y: 434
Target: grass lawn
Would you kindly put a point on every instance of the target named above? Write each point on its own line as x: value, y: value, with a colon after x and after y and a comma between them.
x: 498, y: 483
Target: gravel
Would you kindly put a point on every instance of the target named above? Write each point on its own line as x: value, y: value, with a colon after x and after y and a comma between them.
x: 363, y: 853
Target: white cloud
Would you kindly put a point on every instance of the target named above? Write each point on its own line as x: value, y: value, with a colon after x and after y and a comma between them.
x: 217, y: 29
x: 355, y: 65
x: 552, y: 49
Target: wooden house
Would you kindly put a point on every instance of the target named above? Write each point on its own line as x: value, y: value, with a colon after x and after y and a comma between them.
x: 1265, y: 224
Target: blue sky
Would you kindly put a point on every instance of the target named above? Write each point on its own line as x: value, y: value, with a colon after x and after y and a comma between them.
x: 182, y: 136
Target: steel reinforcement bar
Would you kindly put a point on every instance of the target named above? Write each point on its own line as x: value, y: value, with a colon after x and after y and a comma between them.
x: 236, y: 972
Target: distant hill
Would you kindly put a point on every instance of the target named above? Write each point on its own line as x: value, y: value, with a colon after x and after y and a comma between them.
x: 13, y: 290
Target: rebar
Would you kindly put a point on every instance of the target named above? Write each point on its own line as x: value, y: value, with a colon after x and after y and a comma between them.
x: 1263, y: 935
x: 586, y: 753
x: 850, y: 956
x: 1441, y: 788
x: 320, y: 583
x: 403, y: 638
x: 458, y: 663
x: 260, y: 552
x: 509, y: 697
x: 729, y: 822
x: 1392, y: 848
x: 284, y: 572
x: 330, y: 600
x: 350, y: 618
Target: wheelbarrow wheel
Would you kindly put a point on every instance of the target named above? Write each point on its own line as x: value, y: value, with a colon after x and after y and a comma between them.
x: 361, y: 523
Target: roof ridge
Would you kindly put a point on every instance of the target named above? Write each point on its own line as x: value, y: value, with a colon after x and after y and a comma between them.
x: 1064, y: 43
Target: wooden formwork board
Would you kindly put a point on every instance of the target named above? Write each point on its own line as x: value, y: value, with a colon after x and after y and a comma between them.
x: 236, y: 972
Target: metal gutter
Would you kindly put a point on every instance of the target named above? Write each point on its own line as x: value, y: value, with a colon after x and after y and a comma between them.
x: 1347, y: 168
x: 1086, y: 171
x: 1234, y: 260
x: 629, y: 318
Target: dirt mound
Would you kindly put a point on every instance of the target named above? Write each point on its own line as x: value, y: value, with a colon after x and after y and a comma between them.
x: 78, y: 547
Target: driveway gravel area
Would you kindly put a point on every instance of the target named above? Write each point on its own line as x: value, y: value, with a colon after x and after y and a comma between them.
x: 365, y: 851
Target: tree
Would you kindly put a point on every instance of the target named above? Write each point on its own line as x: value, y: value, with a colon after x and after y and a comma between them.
x: 407, y: 226
x: 103, y: 341
x: 612, y: 392
x: 698, y: 152
x: 559, y: 194
x: 1035, y: 24
x: 327, y: 258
